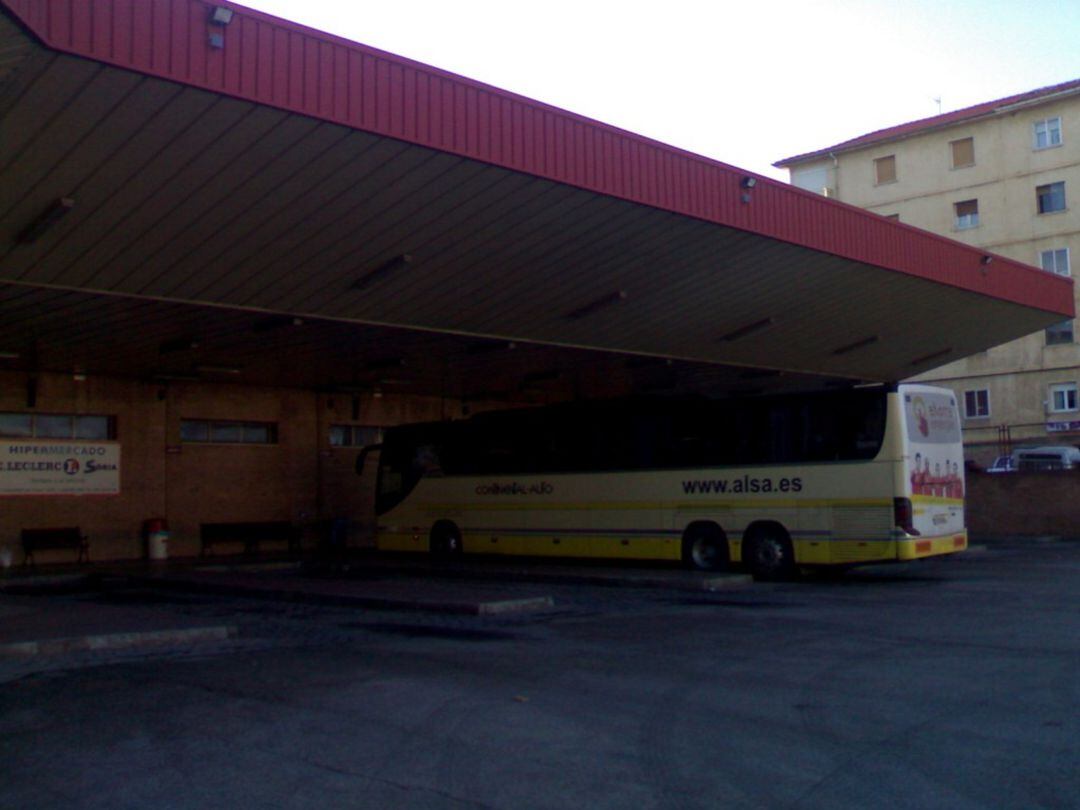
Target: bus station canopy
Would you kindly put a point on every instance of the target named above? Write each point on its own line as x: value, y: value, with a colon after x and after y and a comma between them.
x: 194, y: 190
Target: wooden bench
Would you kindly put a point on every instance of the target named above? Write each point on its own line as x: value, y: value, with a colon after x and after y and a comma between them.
x: 248, y: 533
x: 45, y: 539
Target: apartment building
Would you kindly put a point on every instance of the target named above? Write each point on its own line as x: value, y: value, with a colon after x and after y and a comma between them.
x: 1003, y: 176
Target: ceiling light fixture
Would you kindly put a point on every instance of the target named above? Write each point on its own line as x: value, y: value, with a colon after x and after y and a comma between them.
x: 926, y: 358
x: 646, y: 361
x: 541, y: 376
x: 272, y: 323
x: 609, y: 300
x: 386, y: 362
x: 858, y: 344
x: 175, y: 378
x: 172, y: 345
x: 220, y: 15
x: 387, y: 268
x: 748, y: 329
x: 45, y: 220
x: 485, y: 347
x: 660, y: 385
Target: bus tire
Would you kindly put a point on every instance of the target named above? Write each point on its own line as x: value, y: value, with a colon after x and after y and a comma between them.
x: 445, y: 540
x: 768, y: 553
x: 704, y: 547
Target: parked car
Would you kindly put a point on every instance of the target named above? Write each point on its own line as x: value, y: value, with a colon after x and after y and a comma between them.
x: 1002, y: 464
x: 1064, y: 457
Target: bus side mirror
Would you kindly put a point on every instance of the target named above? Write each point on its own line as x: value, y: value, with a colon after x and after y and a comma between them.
x: 362, y: 456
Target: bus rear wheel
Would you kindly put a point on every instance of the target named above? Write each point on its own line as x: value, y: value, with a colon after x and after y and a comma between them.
x: 445, y: 540
x: 768, y: 554
x: 704, y: 547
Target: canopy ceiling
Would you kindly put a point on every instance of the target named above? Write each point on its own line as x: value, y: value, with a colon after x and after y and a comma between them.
x: 301, y: 210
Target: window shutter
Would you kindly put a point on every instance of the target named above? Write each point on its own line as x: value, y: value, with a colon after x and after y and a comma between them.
x: 885, y: 169
x: 963, y: 153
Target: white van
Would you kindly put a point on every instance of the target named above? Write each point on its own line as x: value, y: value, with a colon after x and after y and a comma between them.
x: 1047, y: 458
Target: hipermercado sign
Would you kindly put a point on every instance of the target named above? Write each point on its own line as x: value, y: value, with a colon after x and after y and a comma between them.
x: 36, y: 467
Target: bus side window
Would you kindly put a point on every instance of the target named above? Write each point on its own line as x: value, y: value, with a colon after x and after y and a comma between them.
x: 870, y: 427
x: 426, y: 461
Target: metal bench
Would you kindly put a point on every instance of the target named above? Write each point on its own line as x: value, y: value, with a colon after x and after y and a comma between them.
x: 58, y: 538
x: 248, y: 533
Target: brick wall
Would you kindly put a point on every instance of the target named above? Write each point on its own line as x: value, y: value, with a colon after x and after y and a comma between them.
x: 1030, y: 503
x: 301, y: 478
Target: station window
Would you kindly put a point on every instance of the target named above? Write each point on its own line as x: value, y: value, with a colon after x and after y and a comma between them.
x: 1047, y: 133
x: 1050, y: 197
x: 976, y: 404
x: 1062, y: 397
x: 218, y: 431
x: 1055, y: 261
x: 885, y: 170
x: 354, y: 435
x: 967, y: 214
x: 57, y: 426
x: 1059, y: 333
x: 963, y: 152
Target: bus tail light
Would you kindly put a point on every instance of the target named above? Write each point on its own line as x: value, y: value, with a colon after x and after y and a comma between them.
x: 904, y: 515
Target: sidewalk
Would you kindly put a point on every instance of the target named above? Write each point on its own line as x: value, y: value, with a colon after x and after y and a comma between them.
x: 35, y: 626
x: 32, y: 624
x: 477, y: 586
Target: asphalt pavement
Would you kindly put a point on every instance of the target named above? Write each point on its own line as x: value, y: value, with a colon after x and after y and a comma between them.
x: 948, y: 683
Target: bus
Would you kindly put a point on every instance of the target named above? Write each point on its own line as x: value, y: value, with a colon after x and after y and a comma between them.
x: 773, y: 484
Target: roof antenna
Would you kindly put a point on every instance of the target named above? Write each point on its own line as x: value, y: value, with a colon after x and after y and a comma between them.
x: 938, y: 100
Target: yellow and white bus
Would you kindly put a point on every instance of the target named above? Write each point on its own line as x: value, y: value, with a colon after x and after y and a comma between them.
x: 775, y: 483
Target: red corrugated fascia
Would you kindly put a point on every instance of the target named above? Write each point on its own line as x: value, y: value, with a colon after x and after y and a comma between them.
x: 966, y: 115
x: 271, y: 61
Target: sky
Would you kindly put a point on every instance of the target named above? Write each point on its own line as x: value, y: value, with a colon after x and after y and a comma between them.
x: 747, y: 82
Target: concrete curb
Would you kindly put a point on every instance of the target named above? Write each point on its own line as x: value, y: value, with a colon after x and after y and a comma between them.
x: 116, y: 641
x: 22, y: 583
x: 489, y: 607
x: 1022, y: 539
x: 676, y: 579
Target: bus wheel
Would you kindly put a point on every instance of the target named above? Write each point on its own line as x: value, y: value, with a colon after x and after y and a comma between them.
x: 768, y: 554
x: 445, y: 539
x: 704, y: 547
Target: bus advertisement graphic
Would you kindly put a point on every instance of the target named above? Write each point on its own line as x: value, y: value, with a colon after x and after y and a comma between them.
x: 936, y: 465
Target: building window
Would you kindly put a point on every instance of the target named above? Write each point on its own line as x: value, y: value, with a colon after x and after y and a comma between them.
x: 354, y: 435
x: 976, y: 404
x: 1059, y: 333
x: 885, y: 170
x: 206, y: 431
x: 1062, y: 397
x: 57, y: 426
x: 1047, y: 133
x: 967, y: 214
x: 1051, y: 197
x: 1055, y: 261
x: 963, y: 153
